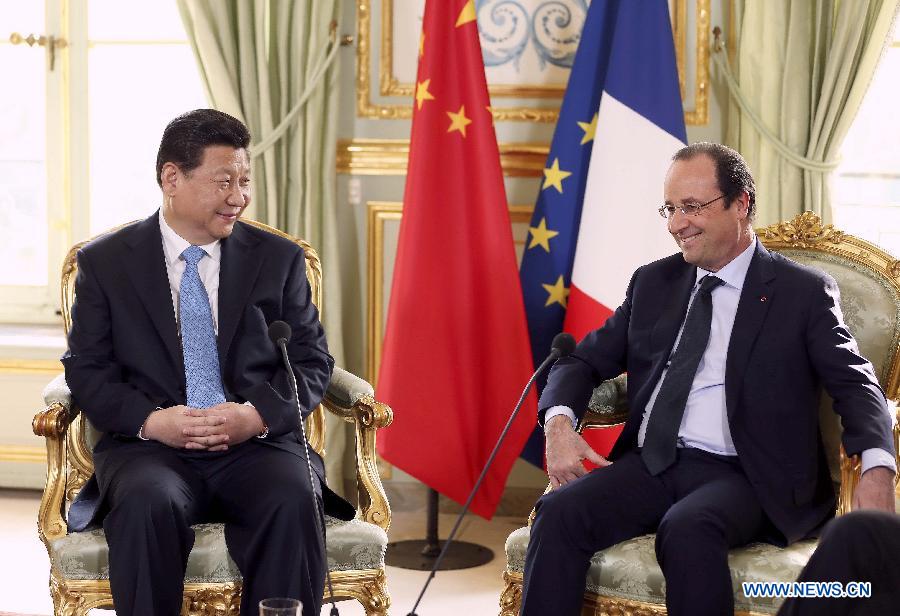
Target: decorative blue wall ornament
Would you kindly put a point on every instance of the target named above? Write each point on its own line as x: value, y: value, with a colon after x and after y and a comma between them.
x: 556, y: 31
x: 506, y: 27
x: 503, y: 26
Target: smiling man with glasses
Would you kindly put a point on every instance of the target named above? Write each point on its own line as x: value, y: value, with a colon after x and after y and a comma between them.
x: 726, y: 346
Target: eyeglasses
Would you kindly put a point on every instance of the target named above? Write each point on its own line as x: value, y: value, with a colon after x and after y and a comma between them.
x: 688, y: 209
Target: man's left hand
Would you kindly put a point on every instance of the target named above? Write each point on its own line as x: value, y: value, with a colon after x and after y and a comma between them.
x: 875, y: 490
x: 242, y: 422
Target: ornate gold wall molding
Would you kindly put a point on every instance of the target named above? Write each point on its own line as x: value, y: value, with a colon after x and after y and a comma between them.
x: 30, y: 366
x: 390, y: 86
x: 699, y: 114
x: 23, y: 453
x: 390, y: 157
x: 379, y: 213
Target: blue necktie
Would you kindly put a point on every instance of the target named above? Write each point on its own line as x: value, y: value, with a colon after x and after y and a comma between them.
x: 198, y: 336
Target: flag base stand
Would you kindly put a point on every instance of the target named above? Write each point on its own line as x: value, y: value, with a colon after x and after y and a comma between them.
x: 420, y: 554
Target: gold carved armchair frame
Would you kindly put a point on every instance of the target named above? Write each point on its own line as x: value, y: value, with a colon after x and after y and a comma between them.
x: 70, y: 465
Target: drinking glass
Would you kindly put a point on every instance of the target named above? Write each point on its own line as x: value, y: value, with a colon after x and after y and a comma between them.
x: 279, y: 607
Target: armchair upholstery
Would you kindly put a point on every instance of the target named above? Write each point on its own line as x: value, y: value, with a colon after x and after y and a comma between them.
x: 625, y: 578
x: 79, y: 565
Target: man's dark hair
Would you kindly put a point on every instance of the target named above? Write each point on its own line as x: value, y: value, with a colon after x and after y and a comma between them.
x: 188, y: 135
x: 732, y: 173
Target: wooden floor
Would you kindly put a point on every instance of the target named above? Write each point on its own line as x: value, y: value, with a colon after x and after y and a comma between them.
x: 24, y: 567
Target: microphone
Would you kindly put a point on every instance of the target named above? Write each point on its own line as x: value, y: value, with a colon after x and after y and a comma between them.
x: 563, y: 344
x: 280, y: 334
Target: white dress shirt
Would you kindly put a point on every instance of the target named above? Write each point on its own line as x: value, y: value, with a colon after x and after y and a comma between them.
x: 208, y: 267
x: 705, y: 421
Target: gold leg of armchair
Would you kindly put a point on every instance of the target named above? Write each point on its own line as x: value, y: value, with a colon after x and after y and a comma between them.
x: 76, y: 597
x: 369, y: 587
x: 511, y: 597
x: 212, y: 599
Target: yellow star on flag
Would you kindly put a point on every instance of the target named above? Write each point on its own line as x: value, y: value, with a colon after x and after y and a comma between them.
x: 589, y: 129
x: 558, y: 293
x: 467, y: 14
x: 422, y: 93
x: 421, y: 44
x: 554, y: 176
x: 541, y: 235
x: 458, y: 120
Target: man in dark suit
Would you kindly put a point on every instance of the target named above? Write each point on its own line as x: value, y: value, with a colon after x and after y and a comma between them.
x: 169, y: 357
x: 726, y: 346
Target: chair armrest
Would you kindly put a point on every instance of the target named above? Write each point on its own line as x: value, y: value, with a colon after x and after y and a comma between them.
x: 608, y: 406
x: 346, y: 389
x: 53, y: 424
x: 352, y: 399
x: 58, y: 391
x: 851, y: 468
x: 609, y: 403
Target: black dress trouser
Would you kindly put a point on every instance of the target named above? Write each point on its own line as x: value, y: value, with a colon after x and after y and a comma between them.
x: 261, y: 493
x: 863, y: 546
x: 699, y: 508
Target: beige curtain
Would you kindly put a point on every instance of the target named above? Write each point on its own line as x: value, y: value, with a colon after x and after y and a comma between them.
x: 801, y: 71
x: 271, y: 64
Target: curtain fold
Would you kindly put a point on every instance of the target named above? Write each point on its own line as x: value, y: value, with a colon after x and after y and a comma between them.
x: 270, y: 63
x: 803, y: 68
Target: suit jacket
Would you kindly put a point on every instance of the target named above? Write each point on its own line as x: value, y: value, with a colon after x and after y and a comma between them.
x: 124, y: 358
x: 788, y: 340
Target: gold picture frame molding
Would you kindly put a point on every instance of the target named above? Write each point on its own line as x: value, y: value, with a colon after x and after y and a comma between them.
x: 31, y: 454
x: 30, y: 366
x: 390, y: 86
x: 391, y: 156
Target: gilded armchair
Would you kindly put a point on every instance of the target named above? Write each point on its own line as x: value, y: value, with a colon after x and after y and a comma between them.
x: 79, y: 570
x: 625, y: 579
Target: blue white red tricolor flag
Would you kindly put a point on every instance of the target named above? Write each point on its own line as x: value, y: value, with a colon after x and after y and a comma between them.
x: 595, y: 219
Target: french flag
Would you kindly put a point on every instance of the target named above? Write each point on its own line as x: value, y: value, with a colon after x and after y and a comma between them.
x: 595, y: 220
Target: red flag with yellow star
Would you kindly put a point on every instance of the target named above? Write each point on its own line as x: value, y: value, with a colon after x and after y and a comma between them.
x: 456, y: 349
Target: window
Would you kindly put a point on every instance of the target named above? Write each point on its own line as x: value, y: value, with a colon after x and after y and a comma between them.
x: 78, y: 142
x: 866, y: 193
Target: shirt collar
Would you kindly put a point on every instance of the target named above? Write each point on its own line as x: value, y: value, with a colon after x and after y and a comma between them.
x: 735, y: 271
x: 174, y: 244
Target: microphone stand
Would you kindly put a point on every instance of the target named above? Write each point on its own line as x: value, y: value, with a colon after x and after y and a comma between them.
x: 320, y: 518
x: 555, y: 354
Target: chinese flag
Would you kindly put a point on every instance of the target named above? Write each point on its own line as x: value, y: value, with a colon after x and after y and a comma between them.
x: 456, y: 350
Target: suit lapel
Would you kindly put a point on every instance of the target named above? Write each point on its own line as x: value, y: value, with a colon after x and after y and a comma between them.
x: 756, y: 297
x: 674, y: 299
x: 237, y: 276
x: 675, y: 304
x: 146, y: 268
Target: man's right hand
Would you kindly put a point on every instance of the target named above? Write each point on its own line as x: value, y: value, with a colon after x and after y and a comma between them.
x: 168, y: 427
x: 565, y: 451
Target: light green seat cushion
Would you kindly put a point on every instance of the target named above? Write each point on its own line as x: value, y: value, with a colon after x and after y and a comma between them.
x: 629, y: 569
x: 350, y: 545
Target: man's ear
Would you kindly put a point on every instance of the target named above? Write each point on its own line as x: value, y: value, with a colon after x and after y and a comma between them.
x: 743, y: 204
x: 169, y: 176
